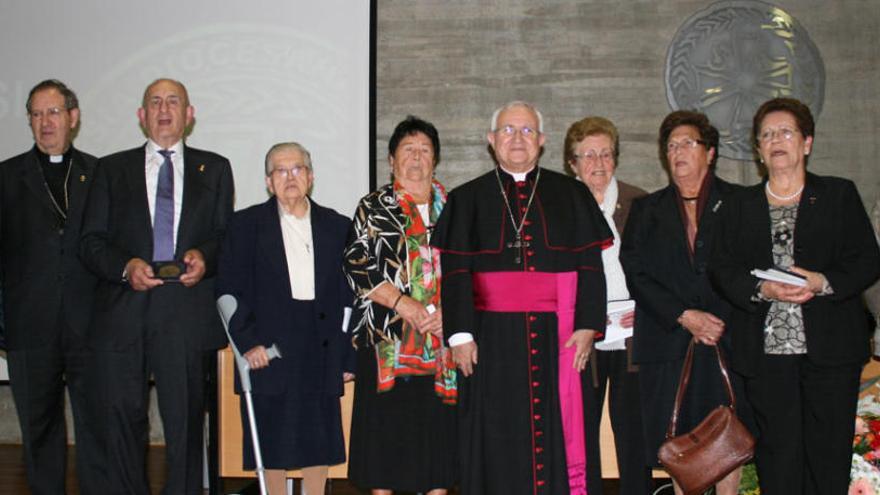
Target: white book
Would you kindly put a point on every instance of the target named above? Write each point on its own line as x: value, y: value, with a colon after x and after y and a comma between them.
x: 615, y: 334
x: 780, y: 275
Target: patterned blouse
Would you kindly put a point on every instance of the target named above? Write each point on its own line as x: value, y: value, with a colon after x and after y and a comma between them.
x: 377, y: 253
x: 784, y: 326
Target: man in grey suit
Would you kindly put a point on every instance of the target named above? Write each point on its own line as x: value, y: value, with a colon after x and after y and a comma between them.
x: 47, y: 292
x: 154, y: 209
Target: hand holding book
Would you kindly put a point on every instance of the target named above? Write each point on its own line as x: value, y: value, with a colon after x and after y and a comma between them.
x: 794, y: 285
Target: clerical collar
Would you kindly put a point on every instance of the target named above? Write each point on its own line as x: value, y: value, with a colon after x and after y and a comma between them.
x: 517, y: 176
x: 53, y: 159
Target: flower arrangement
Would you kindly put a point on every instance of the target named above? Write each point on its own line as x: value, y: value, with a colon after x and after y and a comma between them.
x: 865, y: 468
x: 748, y: 484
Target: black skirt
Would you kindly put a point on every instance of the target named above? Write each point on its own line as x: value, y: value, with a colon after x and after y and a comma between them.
x: 403, y: 439
x: 658, y: 383
x: 295, y: 431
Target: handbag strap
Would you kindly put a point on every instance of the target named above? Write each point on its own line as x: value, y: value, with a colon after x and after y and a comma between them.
x: 685, y: 379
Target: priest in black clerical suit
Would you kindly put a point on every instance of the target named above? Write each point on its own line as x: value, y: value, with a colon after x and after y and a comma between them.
x: 144, y: 325
x: 523, y: 299
x: 47, y: 292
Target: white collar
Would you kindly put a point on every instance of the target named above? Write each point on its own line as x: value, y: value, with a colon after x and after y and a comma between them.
x: 517, y: 176
x: 291, y: 216
x: 153, y: 148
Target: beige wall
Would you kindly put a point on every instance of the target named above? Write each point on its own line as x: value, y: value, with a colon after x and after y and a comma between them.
x: 453, y: 62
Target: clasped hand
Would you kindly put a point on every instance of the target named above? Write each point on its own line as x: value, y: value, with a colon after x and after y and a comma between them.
x: 704, y: 326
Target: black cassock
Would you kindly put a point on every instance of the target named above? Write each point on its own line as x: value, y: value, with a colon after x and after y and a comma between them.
x: 510, y: 417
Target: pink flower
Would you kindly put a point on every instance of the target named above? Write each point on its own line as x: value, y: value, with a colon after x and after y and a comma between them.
x: 861, y: 426
x: 861, y: 486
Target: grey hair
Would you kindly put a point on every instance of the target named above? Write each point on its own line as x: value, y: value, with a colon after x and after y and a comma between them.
x: 70, y: 99
x: 291, y: 146
x: 514, y: 104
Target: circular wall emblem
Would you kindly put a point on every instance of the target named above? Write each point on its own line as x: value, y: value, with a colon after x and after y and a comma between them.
x: 729, y: 58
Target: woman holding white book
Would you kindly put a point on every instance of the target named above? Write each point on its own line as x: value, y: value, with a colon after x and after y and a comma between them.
x: 800, y: 346
x: 591, y: 150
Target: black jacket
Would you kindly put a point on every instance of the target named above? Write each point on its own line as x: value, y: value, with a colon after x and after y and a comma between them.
x: 833, y: 236
x: 43, y: 279
x: 661, y: 276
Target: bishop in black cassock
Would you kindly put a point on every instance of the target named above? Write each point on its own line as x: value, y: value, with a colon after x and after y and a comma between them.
x: 523, y: 298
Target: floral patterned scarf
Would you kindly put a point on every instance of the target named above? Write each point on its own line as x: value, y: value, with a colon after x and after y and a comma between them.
x: 417, y: 354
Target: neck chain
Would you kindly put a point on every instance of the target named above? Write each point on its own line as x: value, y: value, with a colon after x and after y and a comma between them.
x: 518, y: 244
x: 782, y: 198
x: 294, y: 227
x: 62, y: 212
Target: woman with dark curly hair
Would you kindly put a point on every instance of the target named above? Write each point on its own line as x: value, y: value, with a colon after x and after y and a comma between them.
x: 665, y: 254
x: 402, y: 432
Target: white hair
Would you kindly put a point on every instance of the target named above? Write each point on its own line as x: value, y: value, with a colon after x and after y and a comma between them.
x: 291, y: 146
x: 514, y: 104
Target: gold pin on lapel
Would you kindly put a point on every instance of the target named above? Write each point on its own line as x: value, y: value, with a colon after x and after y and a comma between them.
x: 82, y: 178
x: 202, y: 167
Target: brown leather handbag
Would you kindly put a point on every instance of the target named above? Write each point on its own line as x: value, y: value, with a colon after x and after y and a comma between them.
x: 703, y: 456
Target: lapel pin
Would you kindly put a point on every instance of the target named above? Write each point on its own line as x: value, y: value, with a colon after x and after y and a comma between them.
x: 717, y: 205
x: 82, y: 178
x: 202, y: 167
x: 812, y: 200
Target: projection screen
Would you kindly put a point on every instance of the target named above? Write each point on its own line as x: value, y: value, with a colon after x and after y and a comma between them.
x: 257, y: 74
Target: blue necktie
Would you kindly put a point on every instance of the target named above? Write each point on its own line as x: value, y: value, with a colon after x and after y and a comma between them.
x: 163, y: 218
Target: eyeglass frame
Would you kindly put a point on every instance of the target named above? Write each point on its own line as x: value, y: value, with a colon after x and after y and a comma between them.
x: 292, y: 172
x: 608, y: 154
x: 784, y: 133
x: 685, y: 144
x: 526, y: 132
x: 53, y: 112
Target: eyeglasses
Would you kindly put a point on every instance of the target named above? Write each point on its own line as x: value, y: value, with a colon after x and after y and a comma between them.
x: 684, y: 145
x: 525, y: 132
x: 49, y: 112
x: 286, y: 173
x: 768, y: 135
x: 605, y: 155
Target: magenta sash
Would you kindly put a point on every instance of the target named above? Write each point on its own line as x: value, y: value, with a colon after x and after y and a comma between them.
x: 542, y: 292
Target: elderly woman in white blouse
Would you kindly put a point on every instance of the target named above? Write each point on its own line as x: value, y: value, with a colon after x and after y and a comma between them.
x: 282, y: 260
x: 591, y: 150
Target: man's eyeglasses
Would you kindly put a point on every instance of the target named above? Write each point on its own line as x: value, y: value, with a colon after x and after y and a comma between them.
x: 49, y: 112
x: 510, y: 131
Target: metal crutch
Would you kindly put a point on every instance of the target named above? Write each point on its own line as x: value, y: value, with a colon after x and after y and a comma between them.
x: 226, y: 306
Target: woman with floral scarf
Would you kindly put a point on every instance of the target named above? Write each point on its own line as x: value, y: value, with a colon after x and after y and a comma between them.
x: 403, y: 424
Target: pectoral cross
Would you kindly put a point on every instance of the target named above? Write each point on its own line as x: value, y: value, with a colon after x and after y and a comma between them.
x: 517, y: 244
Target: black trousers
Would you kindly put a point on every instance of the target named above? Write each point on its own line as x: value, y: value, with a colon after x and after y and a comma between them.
x: 806, y: 421
x: 37, y: 378
x: 625, y: 413
x: 179, y: 375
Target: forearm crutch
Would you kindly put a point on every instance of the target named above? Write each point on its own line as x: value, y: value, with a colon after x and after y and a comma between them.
x: 226, y: 306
